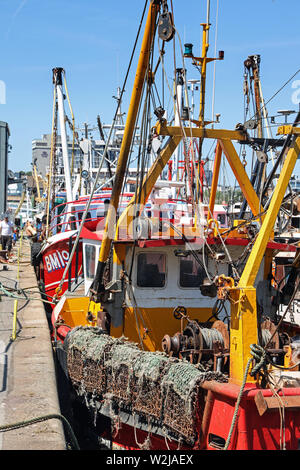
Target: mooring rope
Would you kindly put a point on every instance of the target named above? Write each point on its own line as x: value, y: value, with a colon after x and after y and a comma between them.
x: 259, y: 357
x: 10, y: 427
x: 237, y: 405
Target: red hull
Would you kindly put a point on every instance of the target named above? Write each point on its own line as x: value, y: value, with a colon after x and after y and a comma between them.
x: 275, y: 429
x: 54, y: 260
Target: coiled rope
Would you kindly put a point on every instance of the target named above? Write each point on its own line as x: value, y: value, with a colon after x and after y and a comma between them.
x: 21, y: 424
x: 210, y: 336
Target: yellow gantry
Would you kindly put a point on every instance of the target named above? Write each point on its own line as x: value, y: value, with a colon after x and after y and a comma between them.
x: 243, y: 329
x: 243, y: 311
x: 224, y: 138
x: 243, y: 296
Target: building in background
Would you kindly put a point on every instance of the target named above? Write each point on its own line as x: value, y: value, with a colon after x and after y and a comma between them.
x: 4, y: 146
x: 86, y: 155
x: 89, y: 148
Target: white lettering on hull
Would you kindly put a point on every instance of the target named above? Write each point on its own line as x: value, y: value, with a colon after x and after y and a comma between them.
x: 56, y: 260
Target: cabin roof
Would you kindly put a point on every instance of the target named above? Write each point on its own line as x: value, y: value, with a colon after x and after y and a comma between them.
x: 150, y: 243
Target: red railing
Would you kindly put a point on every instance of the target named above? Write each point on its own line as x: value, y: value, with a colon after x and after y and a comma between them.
x: 69, y: 224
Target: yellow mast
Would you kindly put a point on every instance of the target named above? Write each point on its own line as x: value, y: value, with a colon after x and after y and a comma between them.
x: 126, y: 142
x: 202, y: 63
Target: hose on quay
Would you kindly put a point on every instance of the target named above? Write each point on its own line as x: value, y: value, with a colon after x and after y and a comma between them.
x: 10, y: 292
x: 21, y: 424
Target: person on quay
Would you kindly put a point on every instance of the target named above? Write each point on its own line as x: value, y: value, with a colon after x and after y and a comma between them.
x: 6, y: 230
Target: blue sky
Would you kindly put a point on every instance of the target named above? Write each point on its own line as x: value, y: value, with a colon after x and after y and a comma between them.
x: 93, y: 39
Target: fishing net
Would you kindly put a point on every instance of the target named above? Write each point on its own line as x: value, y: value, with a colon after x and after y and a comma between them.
x: 155, y: 389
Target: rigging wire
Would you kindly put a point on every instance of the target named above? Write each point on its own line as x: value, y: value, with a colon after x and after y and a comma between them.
x: 73, y: 121
x: 144, y: 149
x: 84, y: 215
x: 52, y: 150
x: 194, y: 203
x: 278, y: 91
x: 197, y: 205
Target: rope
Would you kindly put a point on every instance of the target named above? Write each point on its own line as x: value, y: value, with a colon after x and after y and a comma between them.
x: 282, y: 418
x: 211, y: 335
x: 278, y: 91
x: 105, y: 152
x: 265, y: 336
x: 21, y: 424
x: 237, y: 406
x: 260, y: 362
x: 135, y: 308
x: 259, y: 356
x: 10, y: 293
x: 195, y: 204
x: 287, y: 308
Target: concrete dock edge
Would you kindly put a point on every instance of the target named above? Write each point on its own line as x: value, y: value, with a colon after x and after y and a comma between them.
x: 29, y: 388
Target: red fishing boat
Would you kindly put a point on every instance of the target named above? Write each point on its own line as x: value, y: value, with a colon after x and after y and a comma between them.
x: 177, y: 344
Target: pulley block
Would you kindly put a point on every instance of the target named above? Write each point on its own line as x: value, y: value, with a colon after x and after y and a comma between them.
x: 166, y: 26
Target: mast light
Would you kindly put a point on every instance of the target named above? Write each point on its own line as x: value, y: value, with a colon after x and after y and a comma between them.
x: 188, y: 50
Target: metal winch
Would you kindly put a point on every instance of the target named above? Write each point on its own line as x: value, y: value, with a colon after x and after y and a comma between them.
x: 198, y: 342
x: 209, y: 343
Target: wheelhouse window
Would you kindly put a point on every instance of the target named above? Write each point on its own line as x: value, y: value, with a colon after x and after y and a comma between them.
x: 90, y: 260
x: 221, y: 218
x: 151, y: 270
x: 191, y: 273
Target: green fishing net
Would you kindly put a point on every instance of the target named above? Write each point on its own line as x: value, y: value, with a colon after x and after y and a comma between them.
x: 161, y: 391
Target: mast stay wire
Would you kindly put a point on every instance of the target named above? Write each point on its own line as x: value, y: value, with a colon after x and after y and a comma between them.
x: 194, y: 203
x: 278, y: 91
x: 52, y: 150
x: 143, y: 162
x: 142, y: 141
x: 103, y: 157
x: 144, y: 147
x: 193, y: 156
x: 171, y: 94
x: 193, y: 160
x: 264, y: 107
x: 197, y: 205
x: 73, y: 121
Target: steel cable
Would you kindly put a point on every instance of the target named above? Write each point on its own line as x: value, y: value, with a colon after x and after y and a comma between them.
x: 103, y: 157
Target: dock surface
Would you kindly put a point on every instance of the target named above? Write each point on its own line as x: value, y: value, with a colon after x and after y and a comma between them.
x: 28, y: 388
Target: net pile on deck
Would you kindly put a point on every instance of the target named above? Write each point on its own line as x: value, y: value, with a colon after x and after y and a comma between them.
x: 150, y: 386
